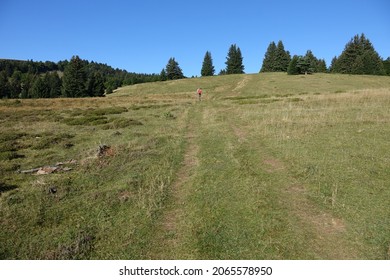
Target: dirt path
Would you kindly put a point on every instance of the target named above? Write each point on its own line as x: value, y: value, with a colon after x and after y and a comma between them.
x: 242, y: 84
x: 323, y: 232
x: 169, y: 237
x: 327, y: 231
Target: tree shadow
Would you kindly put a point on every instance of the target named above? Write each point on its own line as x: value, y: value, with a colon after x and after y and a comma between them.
x: 5, y: 187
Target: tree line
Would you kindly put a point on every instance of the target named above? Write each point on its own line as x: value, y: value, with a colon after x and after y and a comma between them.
x: 81, y: 78
x: 358, y: 57
x: 74, y: 78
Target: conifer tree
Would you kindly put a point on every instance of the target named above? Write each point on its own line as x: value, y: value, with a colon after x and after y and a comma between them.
x: 303, y: 65
x: 386, y: 65
x: 276, y: 58
x: 293, y: 66
x: 334, y: 65
x: 40, y: 88
x: 222, y: 72
x: 163, y: 75
x: 173, y: 70
x: 234, y: 59
x: 312, y: 62
x: 15, y: 86
x: 269, y: 58
x: 207, y: 66
x: 54, y: 82
x: 4, y: 86
x: 321, y: 66
x: 95, y: 85
x: 358, y: 57
x: 75, y: 78
x: 282, y: 58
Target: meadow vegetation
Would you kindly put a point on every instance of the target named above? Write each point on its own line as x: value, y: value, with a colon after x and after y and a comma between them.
x: 266, y: 166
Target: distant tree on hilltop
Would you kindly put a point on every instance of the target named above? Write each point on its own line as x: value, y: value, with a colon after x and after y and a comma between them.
x: 163, y: 75
x: 276, y: 58
x: 269, y: 58
x: 173, y: 70
x: 233, y: 62
x: 207, y: 66
x: 358, y: 57
x: 306, y: 64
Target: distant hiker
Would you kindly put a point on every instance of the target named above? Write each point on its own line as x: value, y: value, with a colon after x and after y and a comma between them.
x: 199, y: 91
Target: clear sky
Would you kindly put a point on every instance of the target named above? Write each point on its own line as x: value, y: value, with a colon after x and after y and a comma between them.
x: 141, y: 35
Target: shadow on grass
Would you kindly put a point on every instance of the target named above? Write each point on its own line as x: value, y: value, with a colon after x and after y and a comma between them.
x: 4, y: 187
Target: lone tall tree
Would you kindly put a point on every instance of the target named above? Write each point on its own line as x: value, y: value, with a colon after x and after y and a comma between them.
x: 173, y: 70
x: 75, y: 78
x: 234, y: 61
x: 207, y: 66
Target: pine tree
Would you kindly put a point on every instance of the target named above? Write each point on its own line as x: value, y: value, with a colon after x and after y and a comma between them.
x: 358, y: 57
x: 307, y: 64
x: 173, y: 70
x: 282, y: 58
x: 207, y: 66
x: 233, y: 62
x: 334, y: 66
x: 269, y: 58
x: 55, y: 83
x: 4, y: 86
x: 276, y: 58
x: 222, y: 72
x: 95, y: 85
x: 75, y: 78
x: 293, y: 66
x: 303, y: 65
x: 163, y: 75
x: 27, y: 82
x: 321, y: 66
x: 40, y: 88
x: 15, y: 86
x: 386, y: 65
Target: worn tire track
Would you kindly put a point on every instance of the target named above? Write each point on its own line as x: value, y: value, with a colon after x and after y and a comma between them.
x: 168, y: 235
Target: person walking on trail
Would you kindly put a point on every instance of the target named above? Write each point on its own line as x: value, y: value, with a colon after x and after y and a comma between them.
x: 199, y: 91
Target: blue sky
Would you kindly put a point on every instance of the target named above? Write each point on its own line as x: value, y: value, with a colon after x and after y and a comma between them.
x: 141, y: 36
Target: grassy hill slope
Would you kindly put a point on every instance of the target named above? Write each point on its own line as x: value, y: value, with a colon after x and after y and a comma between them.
x: 267, y: 166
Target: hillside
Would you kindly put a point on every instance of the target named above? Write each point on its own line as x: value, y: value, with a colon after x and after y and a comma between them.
x: 266, y: 166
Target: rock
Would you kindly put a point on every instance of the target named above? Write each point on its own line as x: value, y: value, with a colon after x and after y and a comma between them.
x: 47, y: 170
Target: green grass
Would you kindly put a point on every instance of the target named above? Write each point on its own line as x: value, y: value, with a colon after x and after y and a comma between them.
x: 283, y: 167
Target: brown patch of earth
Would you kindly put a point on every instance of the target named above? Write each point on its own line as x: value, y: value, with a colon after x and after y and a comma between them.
x: 273, y: 165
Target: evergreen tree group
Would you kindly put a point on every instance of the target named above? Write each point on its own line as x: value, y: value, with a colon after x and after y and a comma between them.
x: 31, y: 79
x: 234, y: 60
x: 306, y: 64
x: 173, y: 70
x: 358, y: 57
x: 276, y: 59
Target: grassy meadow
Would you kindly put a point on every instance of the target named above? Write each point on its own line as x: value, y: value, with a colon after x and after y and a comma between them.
x: 266, y: 166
